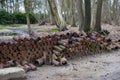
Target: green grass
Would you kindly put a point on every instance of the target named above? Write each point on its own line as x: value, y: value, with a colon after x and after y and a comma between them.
x: 9, y: 25
x: 51, y: 30
x: 8, y: 34
x: 54, y: 30
x: 2, y: 26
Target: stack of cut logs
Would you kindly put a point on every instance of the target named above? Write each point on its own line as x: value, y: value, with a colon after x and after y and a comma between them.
x: 53, y: 49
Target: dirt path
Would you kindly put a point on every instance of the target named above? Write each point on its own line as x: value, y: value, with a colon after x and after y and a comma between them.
x: 98, y: 67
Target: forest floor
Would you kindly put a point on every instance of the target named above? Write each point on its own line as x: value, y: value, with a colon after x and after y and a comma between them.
x: 9, y: 31
x: 22, y: 29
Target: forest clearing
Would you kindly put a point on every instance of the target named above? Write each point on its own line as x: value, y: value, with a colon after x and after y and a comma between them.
x: 59, y: 39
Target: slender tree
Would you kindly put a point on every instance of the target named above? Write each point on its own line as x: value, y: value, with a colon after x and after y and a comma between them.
x: 98, y: 16
x: 115, y: 11
x: 16, y: 6
x: 80, y: 14
x: 106, y: 12
x: 93, y: 13
x: 27, y: 10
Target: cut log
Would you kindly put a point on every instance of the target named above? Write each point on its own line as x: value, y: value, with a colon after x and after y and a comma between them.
x: 26, y: 68
x: 10, y: 63
x: 54, y: 57
x: 61, y: 46
x: 1, y: 65
x: 33, y: 67
x: 56, y: 52
x: 58, y: 48
x: 63, y: 42
x: 63, y: 61
x: 39, y: 62
x: 55, y: 62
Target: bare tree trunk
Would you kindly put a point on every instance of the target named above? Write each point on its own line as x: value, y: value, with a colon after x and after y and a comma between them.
x: 93, y: 16
x: 2, y: 3
x: 72, y: 13
x: 68, y: 19
x: 51, y: 19
x: 62, y: 22
x: 106, y: 12
x: 27, y: 10
x: 55, y: 9
x: 98, y: 16
x: 87, y: 15
x: 80, y: 14
x: 115, y: 12
x: 17, y: 6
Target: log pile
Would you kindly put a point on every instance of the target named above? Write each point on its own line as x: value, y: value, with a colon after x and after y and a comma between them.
x: 52, y: 49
